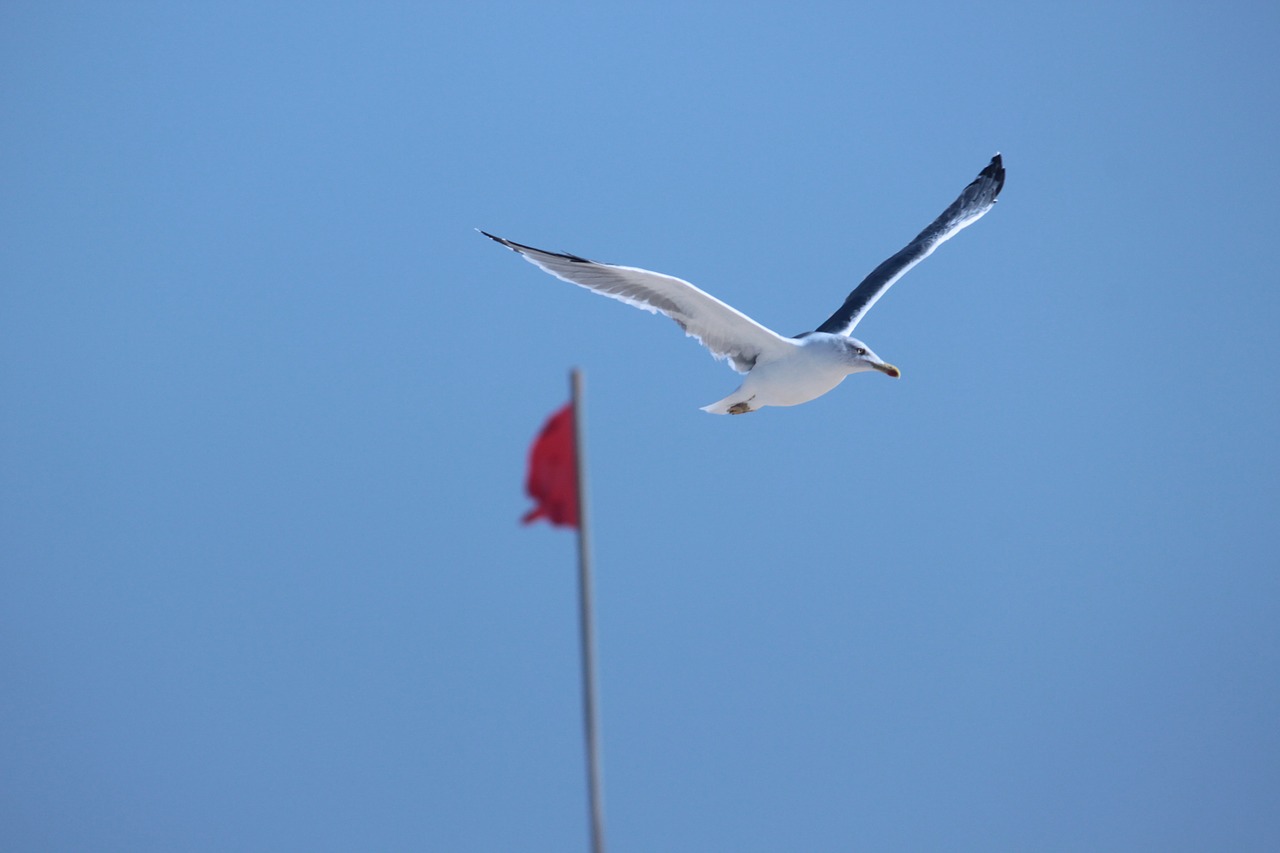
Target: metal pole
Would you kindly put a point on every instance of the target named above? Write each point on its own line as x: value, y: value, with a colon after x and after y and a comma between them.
x: 592, y: 727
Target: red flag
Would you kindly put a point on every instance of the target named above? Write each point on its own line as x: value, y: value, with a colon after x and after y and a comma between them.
x: 553, y: 472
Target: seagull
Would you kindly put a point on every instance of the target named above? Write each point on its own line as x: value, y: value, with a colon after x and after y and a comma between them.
x: 780, y: 371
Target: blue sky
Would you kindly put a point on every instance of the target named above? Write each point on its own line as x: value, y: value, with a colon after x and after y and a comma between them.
x: 268, y: 398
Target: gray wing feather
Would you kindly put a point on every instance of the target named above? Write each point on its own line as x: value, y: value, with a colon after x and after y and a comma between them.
x: 976, y: 199
x: 724, y: 330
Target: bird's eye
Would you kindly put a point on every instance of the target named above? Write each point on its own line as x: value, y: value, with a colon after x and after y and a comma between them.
x: 860, y: 350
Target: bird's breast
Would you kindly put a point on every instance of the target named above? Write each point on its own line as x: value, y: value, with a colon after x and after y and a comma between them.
x: 802, y: 375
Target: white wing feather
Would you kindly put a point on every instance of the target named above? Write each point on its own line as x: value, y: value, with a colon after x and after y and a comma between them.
x: 724, y: 330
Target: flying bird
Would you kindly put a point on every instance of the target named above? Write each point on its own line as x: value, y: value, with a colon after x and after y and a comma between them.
x: 780, y: 371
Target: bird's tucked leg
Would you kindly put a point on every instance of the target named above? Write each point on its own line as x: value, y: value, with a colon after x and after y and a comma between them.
x: 727, y: 406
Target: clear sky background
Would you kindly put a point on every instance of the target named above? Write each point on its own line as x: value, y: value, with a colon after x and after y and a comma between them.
x: 267, y: 398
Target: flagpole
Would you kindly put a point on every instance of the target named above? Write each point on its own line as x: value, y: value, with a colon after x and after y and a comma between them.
x: 588, y: 630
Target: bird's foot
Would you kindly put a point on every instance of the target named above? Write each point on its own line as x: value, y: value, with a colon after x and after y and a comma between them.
x: 741, y: 408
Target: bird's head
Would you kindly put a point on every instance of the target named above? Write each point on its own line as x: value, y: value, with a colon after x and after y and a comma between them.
x: 862, y: 358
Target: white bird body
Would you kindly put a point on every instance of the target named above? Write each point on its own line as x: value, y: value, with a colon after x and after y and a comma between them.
x: 816, y: 364
x: 780, y: 371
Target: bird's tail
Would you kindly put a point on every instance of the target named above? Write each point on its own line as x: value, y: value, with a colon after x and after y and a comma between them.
x: 734, y: 404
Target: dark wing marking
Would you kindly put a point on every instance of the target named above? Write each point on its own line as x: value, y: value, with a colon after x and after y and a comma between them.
x: 975, y: 201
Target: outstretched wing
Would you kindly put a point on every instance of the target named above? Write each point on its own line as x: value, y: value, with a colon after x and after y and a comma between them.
x: 975, y: 201
x: 727, y: 332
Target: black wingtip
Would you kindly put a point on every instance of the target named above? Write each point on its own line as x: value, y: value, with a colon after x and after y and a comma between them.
x: 994, y: 170
x: 515, y: 247
x: 990, y: 180
x: 521, y: 248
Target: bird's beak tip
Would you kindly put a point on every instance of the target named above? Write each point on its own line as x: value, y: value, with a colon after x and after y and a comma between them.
x: 889, y: 370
